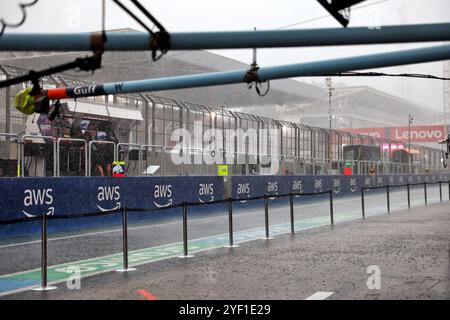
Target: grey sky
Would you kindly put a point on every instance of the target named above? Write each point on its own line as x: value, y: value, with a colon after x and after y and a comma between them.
x: 204, y: 15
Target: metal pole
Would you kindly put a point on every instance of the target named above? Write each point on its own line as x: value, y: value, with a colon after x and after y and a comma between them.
x: 44, y: 286
x: 409, y: 142
x: 440, y: 191
x: 230, y: 225
x: 331, y: 208
x: 409, y: 195
x: 185, y: 235
x: 125, y: 237
x: 388, y: 199
x: 291, y: 206
x: 449, y: 190
x: 133, y: 41
x: 8, y: 108
x: 317, y: 68
x: 125, y: 241
x: 363, y: 209
x: 266, y: 217
x: 425, y: 193
x: 330, y: 93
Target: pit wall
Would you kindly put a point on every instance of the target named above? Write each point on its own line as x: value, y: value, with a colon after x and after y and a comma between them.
x: 21, y: 198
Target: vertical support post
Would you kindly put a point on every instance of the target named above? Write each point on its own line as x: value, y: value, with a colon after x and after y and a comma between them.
x: 425, y: 193
x: 331, y: 208
x: 125, y: 242
x: 44, y: 286
x: 230, y: 225
x: 440, y: 191
x: 408, y: 192
x: 291, y: 206
x: 266, y: 217
x: 408, y: 195
x: 449, y: 190
x: 363, y: 209
x: 185, y: 235
x: 448, y: 182
x: 388, y: 199
x: 8, y: 108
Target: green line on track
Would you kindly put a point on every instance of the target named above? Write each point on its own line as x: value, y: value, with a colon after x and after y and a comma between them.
x: 60, y: 273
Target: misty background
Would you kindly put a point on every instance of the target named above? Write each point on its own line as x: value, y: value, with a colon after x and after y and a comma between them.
x: 203, y: 15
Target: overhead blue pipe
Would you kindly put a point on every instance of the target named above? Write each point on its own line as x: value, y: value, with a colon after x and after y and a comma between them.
x: 132, y: 41
x: 371, y: 61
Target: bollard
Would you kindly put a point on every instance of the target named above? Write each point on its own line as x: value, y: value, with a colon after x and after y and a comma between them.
x: 185, y: 235
x: 425, y: 193
x: 266, y: 217
x: 44, y: 286
x: 291, y: 205
x: 363, y: 209
x: 331, y: 208
x: 408, y: 195
x: 449, y: 190
x: 388, y: 199
x: 440, y: 191
x: 125, y: 242
x: 230, y: 225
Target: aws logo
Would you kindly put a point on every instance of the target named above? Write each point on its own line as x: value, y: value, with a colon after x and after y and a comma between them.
x: 336, y: 185
x: 243, y: 190
x: 38, y: 198
x: 162, y: 195
x: 318, y: 185
x: 272, y: 187
x: 297, y: 186
x: 353, y: 185
x: 206, y: 192
x: 108, y: 195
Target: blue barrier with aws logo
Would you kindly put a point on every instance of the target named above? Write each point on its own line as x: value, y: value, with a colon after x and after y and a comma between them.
x: 23, y: 198
x: 244, y: 187
x: 31, y: 197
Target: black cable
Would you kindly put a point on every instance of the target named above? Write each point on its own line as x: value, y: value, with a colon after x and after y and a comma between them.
x: 160, y: 40
x: 251, y: 77
x: 21, y: 22
x: 382, y: 74
x: 148, y: 15
x: 89, y: 63
x: 258, y: 90
x: 131, y: 14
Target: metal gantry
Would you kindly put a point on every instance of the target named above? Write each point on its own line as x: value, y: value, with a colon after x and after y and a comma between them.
x: 133, y: 41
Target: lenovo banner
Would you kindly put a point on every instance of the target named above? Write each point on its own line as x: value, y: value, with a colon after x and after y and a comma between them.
x: 418, y: 133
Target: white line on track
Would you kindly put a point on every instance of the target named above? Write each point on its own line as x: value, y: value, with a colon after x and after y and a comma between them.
x: 319, y: 295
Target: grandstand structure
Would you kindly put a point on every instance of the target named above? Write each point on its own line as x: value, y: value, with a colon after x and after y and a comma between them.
x: 363, y: 107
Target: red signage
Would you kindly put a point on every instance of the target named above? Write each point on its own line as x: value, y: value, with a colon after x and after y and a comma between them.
x: 373, y: 132
x: 418, y: 133
x: 347, y: 171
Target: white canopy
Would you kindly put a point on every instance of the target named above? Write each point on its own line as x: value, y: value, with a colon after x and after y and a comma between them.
x: 104, y: 110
